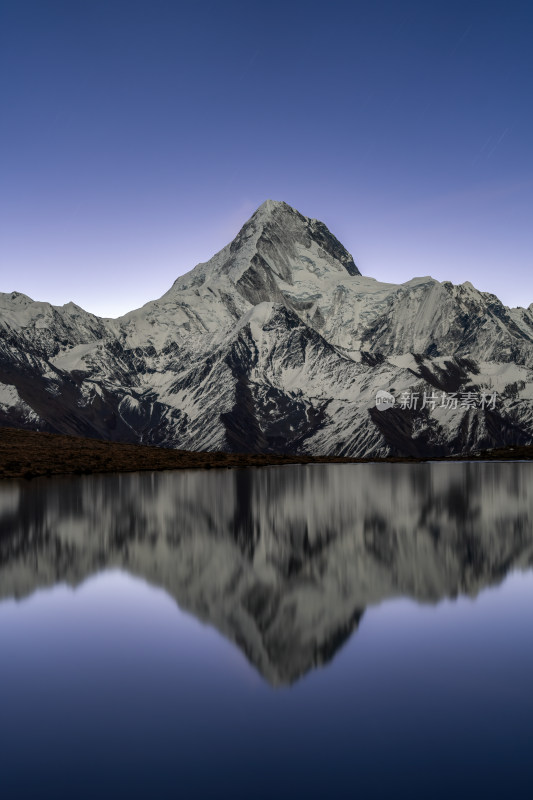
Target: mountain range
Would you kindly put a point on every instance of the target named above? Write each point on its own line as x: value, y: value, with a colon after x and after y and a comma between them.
x: 277, y: 344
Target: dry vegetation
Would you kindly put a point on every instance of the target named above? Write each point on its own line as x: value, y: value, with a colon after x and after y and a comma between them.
x: 29, y: 454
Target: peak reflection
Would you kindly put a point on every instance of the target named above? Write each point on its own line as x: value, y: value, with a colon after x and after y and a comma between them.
x: 283, y: 561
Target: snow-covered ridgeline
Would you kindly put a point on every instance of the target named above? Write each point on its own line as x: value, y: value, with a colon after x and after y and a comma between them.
x: 277, y: 343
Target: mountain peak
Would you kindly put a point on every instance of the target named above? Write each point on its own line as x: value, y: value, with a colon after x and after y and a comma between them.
x: 270, y: 206
x: 279, y: 227
x: 277, y: 243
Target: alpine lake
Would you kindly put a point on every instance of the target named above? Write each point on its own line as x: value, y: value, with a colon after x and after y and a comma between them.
x: 318, y: 631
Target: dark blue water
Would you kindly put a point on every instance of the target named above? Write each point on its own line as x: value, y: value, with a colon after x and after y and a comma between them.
x: 321, y: 631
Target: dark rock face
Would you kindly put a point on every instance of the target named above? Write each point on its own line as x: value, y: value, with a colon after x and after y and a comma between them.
x: 277, y: 344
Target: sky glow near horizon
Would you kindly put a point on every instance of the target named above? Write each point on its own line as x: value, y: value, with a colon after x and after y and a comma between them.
x: 138, y: 137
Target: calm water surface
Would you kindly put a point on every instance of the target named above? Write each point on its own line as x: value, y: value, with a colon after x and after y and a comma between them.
x: 319, y: 631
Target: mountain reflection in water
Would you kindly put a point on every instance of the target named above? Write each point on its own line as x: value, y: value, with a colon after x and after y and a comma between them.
x: 282, y: 561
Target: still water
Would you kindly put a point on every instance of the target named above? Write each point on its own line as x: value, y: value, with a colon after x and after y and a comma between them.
x: 313, y: 631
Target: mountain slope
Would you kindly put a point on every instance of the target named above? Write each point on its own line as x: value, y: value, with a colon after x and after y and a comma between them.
x: 278, y: 343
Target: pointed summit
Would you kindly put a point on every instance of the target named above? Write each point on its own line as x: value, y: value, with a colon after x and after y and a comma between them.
x: 276, y: 250
x: 287, y: 240
x: 270, y: 207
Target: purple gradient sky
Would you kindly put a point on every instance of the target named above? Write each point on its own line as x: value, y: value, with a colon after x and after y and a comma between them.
x: 137, y: 138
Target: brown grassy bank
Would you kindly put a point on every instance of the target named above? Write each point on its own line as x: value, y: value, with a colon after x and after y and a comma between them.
x: 29, y: 454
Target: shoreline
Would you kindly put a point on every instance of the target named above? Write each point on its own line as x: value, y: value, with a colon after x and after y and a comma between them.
x: 33, y: 454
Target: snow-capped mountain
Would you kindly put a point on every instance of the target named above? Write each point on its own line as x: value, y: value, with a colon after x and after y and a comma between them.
x: 277, y: 344
x: 285, y: 561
